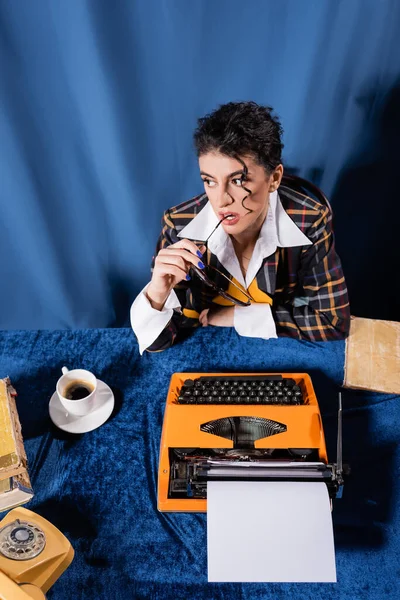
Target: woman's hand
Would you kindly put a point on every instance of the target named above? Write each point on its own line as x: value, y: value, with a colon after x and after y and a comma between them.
x: 219, y: 317
x: 171, y: 266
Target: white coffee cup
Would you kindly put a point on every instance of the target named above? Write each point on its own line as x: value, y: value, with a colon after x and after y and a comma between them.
x: 65, y: 385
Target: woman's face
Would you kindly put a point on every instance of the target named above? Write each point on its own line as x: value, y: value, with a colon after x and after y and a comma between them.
x: 232, y: 191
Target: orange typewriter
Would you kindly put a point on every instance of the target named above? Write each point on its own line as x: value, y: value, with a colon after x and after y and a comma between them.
x: 253, y: 426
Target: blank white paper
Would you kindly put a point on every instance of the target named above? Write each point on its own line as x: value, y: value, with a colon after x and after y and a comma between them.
x: 269, y: 531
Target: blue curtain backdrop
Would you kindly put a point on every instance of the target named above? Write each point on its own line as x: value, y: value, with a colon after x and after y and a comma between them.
x: 98, y: 102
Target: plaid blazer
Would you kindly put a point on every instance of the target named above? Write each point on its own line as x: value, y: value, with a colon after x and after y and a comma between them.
x: 305, y: 285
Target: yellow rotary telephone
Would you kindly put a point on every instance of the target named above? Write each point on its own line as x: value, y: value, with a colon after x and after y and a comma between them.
x: 33, y: 555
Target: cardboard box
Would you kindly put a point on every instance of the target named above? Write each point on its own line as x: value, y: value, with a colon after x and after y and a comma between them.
x: 373, y: 356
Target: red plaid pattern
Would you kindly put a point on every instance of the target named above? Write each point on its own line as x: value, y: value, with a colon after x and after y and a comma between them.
x: 306, y: 283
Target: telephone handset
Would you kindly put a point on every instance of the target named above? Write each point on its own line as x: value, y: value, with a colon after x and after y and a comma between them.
x: 33, y: 555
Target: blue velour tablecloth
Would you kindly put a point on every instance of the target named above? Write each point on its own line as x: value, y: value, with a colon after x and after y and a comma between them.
x: 100, y: 488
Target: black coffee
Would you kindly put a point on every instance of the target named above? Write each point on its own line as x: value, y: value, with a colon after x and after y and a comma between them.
x: 76, y: 390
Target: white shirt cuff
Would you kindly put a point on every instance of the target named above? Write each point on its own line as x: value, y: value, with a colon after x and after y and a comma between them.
x: 254, y: 321
x: 147, y: 322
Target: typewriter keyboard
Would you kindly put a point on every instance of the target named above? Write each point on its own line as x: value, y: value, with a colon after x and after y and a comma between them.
x: 241, y: 389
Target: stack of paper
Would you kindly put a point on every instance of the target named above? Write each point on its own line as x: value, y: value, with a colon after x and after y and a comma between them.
x: 269, y: 531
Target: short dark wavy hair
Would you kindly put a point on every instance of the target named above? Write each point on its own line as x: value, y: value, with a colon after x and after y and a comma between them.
x: 239, y: 129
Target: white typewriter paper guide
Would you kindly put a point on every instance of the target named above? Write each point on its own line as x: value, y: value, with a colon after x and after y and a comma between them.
x: 269, y: 531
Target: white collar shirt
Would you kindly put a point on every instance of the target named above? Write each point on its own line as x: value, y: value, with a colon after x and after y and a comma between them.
x: 278, y: 230
x: 256, y: 320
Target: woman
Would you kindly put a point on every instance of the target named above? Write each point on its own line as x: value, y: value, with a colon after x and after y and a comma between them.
x: 242, y: 254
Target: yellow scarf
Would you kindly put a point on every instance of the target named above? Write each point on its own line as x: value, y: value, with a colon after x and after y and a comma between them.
x: 253, y: 290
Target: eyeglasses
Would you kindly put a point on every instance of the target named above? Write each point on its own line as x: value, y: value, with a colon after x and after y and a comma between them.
x: 201, y: 274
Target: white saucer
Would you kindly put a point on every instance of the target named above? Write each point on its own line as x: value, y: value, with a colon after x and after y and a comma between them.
x: 104, y: 404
